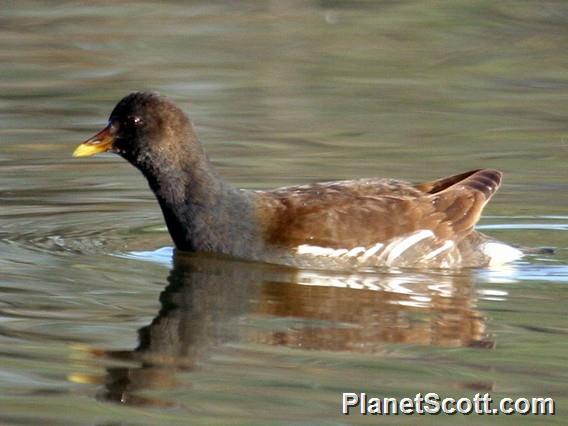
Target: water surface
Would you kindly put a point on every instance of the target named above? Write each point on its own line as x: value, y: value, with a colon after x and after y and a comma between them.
x: 101, y: 324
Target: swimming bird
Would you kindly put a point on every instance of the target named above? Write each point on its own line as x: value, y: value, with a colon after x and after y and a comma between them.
x: 371, y: 222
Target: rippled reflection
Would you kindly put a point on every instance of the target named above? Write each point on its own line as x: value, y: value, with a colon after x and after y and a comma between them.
x: 210, y: 302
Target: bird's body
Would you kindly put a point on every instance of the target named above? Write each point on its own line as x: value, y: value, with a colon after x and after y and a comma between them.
x: 354, y: 223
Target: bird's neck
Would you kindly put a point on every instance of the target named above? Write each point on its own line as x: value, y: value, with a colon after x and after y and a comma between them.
x: 202, y: 211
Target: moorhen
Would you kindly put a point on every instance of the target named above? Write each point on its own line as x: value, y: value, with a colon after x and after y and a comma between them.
x: 352, y: 223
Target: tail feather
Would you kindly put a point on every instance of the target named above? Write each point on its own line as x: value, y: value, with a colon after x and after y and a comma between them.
x: 462, y: 202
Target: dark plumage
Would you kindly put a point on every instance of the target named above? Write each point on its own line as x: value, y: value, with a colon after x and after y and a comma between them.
x: 365, y: 222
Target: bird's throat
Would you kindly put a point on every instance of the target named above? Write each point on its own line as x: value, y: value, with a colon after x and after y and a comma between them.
x: 203, y: 213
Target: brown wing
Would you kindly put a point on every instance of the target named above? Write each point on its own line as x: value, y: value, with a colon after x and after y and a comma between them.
x: 357, y: 213
x: 463, y: 201
x: 444, y: 183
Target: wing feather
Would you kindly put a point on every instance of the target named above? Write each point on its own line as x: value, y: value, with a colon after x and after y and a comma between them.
x: 350, y: 214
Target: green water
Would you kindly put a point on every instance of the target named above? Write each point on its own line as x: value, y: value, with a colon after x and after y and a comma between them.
x: 101, y: 324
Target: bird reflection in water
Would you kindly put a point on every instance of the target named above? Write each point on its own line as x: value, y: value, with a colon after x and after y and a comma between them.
x: 210, y: 302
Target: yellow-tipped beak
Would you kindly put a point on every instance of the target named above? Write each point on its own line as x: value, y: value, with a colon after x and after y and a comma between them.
x: 101, y: 142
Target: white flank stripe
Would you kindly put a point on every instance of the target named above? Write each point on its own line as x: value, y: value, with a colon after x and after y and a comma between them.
x: 339, y: 252
x: 371, y: 252
x: 500, y: 253
x: 320, y: 251
x: 446, y: 246
x: 405, y: 244
x: 354, y: 252
x: 393, y: 251
x: 314, y: 250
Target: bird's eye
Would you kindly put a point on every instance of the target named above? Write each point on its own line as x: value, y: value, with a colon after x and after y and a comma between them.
x: 135, y: 121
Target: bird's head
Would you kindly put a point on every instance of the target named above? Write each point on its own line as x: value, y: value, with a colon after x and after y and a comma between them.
x: 142, y: 127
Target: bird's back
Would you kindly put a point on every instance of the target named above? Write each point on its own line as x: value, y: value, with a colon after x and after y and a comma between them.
x: 378, y: 222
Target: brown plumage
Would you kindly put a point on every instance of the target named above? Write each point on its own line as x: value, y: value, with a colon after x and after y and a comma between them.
x: 365, y: 222
x: 354, y: 213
